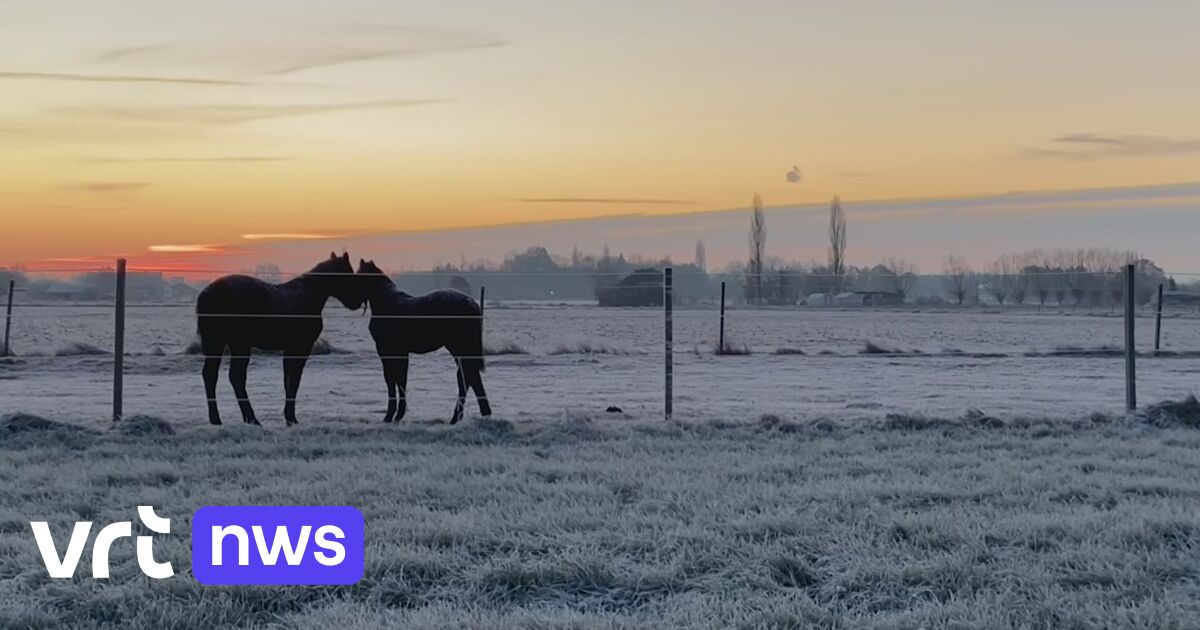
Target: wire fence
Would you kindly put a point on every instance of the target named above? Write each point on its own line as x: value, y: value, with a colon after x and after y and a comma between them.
x: 680, y: 354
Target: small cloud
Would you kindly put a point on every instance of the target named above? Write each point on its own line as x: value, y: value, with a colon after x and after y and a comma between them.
x: 1091, y: 146
x: 114, y: 78
x: 288, y: 237
x: 186, y: 249
x: 106, y: 187
x: 186, y: 160
x: 611, y: 200
x: 794, y: 176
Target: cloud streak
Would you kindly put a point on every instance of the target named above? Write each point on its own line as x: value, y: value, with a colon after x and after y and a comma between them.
x: 230, y: 114
x: 115, y: 78
x: 605, y: 200
x: 106, y: 188
x: 1091, y: 146
x: 281, y: 55
x: 186, y: 249
x: 187, y: 160
x: 288, y: 237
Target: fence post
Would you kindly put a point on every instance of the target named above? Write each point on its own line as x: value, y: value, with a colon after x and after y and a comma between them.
x: 1158, y: 320
x: 721, y: 337
x: 119, y: 342
x: 668, y: 338
x: 12, y: 288
x: 1130, y: 350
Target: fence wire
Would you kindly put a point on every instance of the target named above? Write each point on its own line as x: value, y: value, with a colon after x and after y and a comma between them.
x: 620, y: 353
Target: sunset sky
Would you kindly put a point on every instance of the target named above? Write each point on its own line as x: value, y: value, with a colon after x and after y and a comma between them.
x: 170, y: 131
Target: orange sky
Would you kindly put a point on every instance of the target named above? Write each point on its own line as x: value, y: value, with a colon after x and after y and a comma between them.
x: 127, y: 127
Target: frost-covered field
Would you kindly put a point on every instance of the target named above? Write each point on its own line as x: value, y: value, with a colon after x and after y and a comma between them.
x: 615, y: 523
x: 834, y: 488
x: 576, y: 359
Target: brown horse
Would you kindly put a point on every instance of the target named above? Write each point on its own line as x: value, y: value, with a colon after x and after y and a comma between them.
x: 403, y: 324
x: 241, y: 313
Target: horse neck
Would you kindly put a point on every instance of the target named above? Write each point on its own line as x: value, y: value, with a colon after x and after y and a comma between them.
x: 386, y: 294
x: 308, y: 292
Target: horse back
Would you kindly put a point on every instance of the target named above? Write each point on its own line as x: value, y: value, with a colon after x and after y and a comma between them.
x: 246, y: 310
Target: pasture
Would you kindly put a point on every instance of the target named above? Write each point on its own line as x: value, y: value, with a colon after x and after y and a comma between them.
x: 608, y: 523
x: 979, y: 477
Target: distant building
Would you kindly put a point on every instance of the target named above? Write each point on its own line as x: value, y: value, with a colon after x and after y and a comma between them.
x: 817, y: 299
x: 1180, y: 298
x: 881, y: 298
x: 69, y: 291
x: 643, y: 287
x: 849, y: 299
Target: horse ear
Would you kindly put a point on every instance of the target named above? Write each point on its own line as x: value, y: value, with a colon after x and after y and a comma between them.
x: 346, y: 256
x: 361, y: 262
x: 332, y: 255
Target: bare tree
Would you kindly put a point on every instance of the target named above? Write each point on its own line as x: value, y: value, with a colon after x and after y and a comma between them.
x: 904, y: 276
x: 957, y: 276
x: 837, y: 243
x: 268, y: 272
x: 701, y: 257
x: 1000, y: 278
x: 758, y: 246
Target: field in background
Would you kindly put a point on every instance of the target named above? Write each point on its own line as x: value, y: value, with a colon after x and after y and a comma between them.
x: 610, y: 523
x: 551, y: 361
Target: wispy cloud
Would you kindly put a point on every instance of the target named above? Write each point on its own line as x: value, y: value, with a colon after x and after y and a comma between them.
x: 1091, y: 146
x: 288, y: 237
x: 186, y: 160
x: 304, y: 50
x: 106, y: 187
x: 185, y: 249
x: 228, y: 114
x: 115, y: 78
x: 608, y: 200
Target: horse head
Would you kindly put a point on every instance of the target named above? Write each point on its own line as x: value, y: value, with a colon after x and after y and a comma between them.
x: 372, y: 279
x: 336, y: 276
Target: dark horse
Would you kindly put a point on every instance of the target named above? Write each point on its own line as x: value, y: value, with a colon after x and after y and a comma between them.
x: 401, y: 324
x: 240, y: 313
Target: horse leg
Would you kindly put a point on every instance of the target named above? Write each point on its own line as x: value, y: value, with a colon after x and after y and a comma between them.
x: 395, y: 372
x: 239, y: 361
x: 462, y: 394
x: 293, y: 369
x: 475, y: 382
x: 390, y: 379
x: 211, y: 371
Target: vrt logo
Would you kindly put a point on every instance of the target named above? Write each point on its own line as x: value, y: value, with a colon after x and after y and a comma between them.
x: 64, y: 566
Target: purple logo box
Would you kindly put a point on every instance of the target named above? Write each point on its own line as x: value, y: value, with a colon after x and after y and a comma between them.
x: 296, y: 545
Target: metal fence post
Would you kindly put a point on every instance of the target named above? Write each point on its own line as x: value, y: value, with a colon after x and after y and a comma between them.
x: 119, y: 342
x: 1130, y: 350
x: 668, y: 338
x: 721, y: 337
x: 1158, y: 320
x: 12, y: 288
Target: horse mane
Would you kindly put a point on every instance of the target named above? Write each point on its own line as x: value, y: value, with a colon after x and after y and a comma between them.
x: 330, y: 266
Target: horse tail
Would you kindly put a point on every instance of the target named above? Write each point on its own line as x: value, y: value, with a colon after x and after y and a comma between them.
x: 475, y: 342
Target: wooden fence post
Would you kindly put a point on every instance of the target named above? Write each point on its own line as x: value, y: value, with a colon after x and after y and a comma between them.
x: 668, y: 338
x: 119, y: 343
x: 1130, y: 350
x: 12, y: 288
x: 1158, y: 320
x: 721, y: 337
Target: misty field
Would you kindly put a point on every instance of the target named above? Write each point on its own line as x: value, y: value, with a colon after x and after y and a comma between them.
x: 608, y: 522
